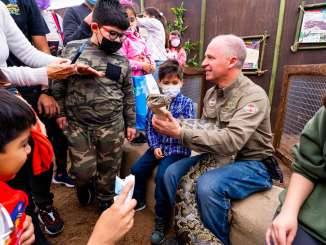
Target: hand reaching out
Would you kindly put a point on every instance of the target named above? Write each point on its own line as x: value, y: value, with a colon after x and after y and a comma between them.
x: 116, y: 221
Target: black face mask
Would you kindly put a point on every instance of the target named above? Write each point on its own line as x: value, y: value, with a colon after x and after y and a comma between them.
x: 109, y: 46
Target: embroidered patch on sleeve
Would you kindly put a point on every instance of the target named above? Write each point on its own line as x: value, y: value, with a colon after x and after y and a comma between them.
x: 251, y: 108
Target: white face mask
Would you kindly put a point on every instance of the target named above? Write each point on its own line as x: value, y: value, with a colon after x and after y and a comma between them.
x: 175, y: 42
x: 171, y: 90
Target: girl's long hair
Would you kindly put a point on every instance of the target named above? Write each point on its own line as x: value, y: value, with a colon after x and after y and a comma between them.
x: 151, y: 11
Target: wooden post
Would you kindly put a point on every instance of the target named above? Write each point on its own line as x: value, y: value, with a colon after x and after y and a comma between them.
x: 262, y: 54
x: 277, y: 50
x: 142, y: 6
x: 202, y: 32
x: 297, y: 34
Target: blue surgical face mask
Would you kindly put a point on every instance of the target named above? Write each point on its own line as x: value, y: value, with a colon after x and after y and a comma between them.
x: 91, y: 2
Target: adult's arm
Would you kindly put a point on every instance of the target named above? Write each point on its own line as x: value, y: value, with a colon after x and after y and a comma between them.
x: 129, y: 103
x: 232, y: 138
x: 73, y: 29
x: 22, y: 49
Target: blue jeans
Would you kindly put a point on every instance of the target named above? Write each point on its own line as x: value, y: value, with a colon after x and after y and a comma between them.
x: 214, y: 188
x: 142, y: 169
x: 155, y: 74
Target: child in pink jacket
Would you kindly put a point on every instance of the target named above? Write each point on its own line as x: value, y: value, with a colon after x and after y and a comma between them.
x: 176, y: 51
x: 135, y: 47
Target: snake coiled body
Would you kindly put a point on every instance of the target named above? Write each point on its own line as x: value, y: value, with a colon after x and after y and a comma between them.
x: 187, y: 217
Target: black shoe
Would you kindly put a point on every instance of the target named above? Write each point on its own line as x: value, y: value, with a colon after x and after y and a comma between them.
x: 140, y: 140
x: 104, y: 206
x: 86, y: 194
x: 160, y: 230
x: 50, y: 218
x: 171, y: 241
x: 140, y: 206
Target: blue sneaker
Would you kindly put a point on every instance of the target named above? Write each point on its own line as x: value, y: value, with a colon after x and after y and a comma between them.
x: 63, y: 179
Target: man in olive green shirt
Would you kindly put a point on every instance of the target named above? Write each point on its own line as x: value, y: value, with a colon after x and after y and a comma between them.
x: 241, y: 108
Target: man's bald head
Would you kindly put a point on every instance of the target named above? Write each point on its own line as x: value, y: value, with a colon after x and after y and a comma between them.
x: 230, y: 46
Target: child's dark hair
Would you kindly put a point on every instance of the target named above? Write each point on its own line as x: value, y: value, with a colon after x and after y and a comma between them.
x: 177, y: 33
x: 15, y: 117
x: 131, y: 8
x: 154, y: 12
x: 110, y: 13
x: 170, y: 68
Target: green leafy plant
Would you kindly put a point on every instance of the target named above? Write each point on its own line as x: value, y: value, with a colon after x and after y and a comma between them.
x: 188, y: 46
x: 178, y: 23
x: 192, y: 62
x: 179, y: 12
x: 170, y: 26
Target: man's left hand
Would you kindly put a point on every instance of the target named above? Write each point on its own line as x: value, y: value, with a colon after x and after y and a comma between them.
x: 86, y: 70
x: 170, y: 128
x: 49, y: 104
x: 131, y: 133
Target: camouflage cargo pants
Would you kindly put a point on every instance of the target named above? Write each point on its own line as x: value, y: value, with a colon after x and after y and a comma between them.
x: 95, y: 155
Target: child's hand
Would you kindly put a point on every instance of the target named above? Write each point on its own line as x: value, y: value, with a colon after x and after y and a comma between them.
x: 61, y: 122
x: 152, y: 68
x: 28, y: 236
x: 131, y: 132
x: 146, y: 66
x: 158, y: 154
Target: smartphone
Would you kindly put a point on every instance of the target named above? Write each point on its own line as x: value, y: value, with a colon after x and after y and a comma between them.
x: 73, y: 61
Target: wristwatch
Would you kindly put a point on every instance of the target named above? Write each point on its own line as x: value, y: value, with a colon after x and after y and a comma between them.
x: 47, y: 91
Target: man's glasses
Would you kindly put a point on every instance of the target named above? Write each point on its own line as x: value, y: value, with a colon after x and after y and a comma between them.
x: 114, y: 35
x: 176, y: 38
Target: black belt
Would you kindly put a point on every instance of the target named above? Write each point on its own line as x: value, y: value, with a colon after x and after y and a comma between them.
x: 273, y: 168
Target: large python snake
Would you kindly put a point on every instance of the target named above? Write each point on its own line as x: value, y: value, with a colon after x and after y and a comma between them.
x: 187, y: 217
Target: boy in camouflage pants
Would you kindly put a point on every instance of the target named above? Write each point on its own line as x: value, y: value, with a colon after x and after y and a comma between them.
x: 94, y: 109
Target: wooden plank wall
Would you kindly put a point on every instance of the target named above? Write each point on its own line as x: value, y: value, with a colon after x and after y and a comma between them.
x: 246, y: 18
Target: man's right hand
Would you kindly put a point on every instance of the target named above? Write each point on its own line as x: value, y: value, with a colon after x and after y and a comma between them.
x: 58, y: 71
x: 61, y: 122
x: 116, y: 221
x: 158, y: 154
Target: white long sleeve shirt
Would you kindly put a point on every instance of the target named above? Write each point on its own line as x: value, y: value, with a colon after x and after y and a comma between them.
x: 12, y: 39
x: 155, y: 37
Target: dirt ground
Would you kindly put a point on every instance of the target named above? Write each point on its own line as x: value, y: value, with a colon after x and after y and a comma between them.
x: 80, y: 221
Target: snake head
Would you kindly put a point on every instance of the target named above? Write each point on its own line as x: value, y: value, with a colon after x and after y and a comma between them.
x: 158, y: 100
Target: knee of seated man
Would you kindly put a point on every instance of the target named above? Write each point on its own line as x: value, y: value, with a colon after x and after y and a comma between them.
x: 205, y: 187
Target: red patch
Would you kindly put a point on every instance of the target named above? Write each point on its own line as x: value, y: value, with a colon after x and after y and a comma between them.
x: 251, y: 107
x: 212, y: 102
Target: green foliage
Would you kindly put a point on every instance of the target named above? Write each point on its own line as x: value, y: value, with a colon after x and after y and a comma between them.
x: 179, y: 12
x: 188, y: 46
x: 170, y: 26
x: 192, y: 62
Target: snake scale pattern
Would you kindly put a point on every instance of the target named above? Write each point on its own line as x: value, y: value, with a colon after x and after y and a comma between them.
x: 187, y: 217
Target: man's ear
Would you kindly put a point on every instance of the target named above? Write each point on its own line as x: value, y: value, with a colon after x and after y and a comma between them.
x: 94, y: 28
x: 233, y: 62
